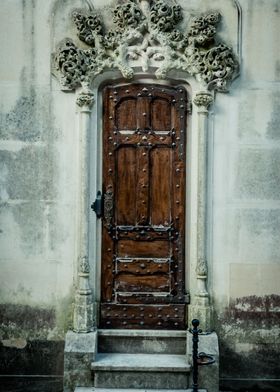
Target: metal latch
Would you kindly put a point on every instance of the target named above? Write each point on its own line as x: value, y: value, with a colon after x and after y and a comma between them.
x: 97, y: 205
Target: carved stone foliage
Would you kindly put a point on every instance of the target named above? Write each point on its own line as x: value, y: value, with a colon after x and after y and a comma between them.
x: 152, y: 38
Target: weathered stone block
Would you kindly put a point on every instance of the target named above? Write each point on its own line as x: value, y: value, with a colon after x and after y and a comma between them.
x: 79, y: 353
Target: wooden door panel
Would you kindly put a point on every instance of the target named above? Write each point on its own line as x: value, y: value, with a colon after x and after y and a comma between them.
x: 156, y: 248
x: 144, y: 216
x: 160, y: 123
x: 160, y: 186
x: 126, y: 186
x: 136, y: 316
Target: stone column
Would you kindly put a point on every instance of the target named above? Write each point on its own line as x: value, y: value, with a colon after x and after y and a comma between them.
x: 80, y: 344
x: 83, y: 307
x: 201, y: 308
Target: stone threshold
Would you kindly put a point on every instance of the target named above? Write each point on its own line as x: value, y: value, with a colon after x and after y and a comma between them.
x: 141, y: 362
x: 86, y: 389
x: 142, y: 333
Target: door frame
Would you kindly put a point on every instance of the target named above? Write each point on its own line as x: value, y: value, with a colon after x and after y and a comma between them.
x: 194, y: 239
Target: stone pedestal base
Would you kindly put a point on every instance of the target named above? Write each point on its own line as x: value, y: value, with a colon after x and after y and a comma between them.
x: 208, y: 376
x: 204, y: 314
x: 79, y: 353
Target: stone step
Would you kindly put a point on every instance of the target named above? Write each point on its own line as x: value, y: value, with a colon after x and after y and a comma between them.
x: 142, y: 342
x: 151, y: 371
x: 92, y: 389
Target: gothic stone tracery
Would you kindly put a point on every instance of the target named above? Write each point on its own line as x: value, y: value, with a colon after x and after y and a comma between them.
x: 151, y: 38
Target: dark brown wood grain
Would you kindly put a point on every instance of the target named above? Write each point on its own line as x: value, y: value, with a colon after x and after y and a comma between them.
x: 143, y: 247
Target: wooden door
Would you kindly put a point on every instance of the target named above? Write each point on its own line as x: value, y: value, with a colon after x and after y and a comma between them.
x: 143, y: 230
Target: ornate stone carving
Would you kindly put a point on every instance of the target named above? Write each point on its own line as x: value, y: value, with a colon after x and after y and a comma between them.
x: 203, y: 99
x: 151, y: 38
x: 84, y: 265
x: 201, y: 267
x: 85, y: 98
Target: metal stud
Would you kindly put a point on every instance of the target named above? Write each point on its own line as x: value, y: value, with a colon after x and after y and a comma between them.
x: 110, y: 153
x: 110, y: 118
x: 141, y: 323
x: 144, y: 114
x: 127, y: 91
x: 108, y: 322
x: 177, y: 186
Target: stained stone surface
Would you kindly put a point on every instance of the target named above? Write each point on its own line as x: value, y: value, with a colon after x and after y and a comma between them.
x: 39, y: 198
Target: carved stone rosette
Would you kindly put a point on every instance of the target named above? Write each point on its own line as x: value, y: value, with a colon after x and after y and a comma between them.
x: 148, y: 33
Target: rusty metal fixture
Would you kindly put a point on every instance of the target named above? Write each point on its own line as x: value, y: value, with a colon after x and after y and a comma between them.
x: 199, y: 359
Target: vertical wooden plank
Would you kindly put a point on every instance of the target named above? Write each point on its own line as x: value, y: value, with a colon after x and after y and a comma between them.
x: 143, y: 113
x: 142, y: 195
x: 160, y: 115
x: 160, y: 186
x: 125, y: 114
x: 126, y: 176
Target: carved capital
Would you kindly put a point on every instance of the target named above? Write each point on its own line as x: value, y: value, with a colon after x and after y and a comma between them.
x: 203, y: 100
x: 147, y: 32
x: 85, y: 98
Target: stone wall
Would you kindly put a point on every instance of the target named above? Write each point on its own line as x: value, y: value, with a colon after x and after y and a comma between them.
x: 38, y: 183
